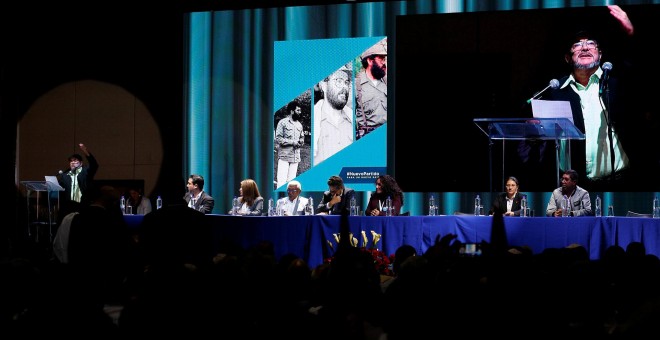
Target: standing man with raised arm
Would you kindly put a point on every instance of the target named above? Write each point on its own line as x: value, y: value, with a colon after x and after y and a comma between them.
x: 603, y: 108
x: 76, y: 180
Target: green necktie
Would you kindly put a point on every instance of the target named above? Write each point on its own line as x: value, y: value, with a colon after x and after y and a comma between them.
x: 75, y: 188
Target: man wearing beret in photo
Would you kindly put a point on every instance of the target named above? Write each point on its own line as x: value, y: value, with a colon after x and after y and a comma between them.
x: 371, y: 89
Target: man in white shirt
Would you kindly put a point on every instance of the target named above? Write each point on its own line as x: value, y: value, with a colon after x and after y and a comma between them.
x: 333, y: 115
x: 293, y: 204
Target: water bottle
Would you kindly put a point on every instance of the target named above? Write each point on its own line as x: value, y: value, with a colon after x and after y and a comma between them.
x: 271, y: 211
x: 159, y: 203
x: 565, y: 207
x: 598, y: 211
x: 656, y: 207
x: 388, y: 206
x: 353, y: 206
x: 122, y: 204
x: 235, y: 206
x: 523, y: 206
x: 309, y: 209
x: 432, y: 206
x: 279, y: 208
x: 477, y: 205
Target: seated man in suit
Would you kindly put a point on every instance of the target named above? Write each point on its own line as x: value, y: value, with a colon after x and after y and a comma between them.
x: 336, y: 200
x: 196, y: 198
x: 293, y: 204
x: 508, y: 202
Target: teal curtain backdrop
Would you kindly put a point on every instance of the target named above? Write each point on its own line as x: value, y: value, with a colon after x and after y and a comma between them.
x: 228, y: 132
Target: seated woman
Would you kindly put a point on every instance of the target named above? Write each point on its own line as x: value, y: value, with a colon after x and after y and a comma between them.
x: 508, y: 202
x: 251, y: 202
x: 140, y: 205
x: 386, y: 186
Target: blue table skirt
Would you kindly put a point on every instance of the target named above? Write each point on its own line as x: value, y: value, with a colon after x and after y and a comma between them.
x: 311, y: 237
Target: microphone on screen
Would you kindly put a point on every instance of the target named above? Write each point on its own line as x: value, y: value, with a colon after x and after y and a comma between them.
x: 554, y: 84
x: 602, y: 84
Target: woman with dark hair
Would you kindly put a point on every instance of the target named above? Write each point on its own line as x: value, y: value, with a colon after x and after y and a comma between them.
x: 508, y: 202
x: 140, y: 205
x: 386, y: 186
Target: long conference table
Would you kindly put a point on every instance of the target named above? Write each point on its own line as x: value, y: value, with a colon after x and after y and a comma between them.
x: 313, y: 239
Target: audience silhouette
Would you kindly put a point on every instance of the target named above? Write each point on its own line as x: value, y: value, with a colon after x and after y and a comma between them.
x: 176, y: 278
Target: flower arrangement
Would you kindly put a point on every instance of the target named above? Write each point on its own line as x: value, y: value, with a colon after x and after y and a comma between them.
x: 382, y: 262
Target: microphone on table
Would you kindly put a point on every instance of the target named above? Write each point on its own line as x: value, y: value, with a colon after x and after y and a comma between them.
x: 554, y: 84
x: 602, y: 84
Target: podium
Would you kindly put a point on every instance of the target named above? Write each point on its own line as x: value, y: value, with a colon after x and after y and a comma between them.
x: 528, y: 129
x: 42, y: 211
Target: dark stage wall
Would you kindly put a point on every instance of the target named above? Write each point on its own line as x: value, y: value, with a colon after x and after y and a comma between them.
x: 137, y: 49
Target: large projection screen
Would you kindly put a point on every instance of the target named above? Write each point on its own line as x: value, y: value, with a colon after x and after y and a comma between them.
x: 453, y: 68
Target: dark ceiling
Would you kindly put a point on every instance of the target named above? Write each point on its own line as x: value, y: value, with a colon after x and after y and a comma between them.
x: 203, y: 5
